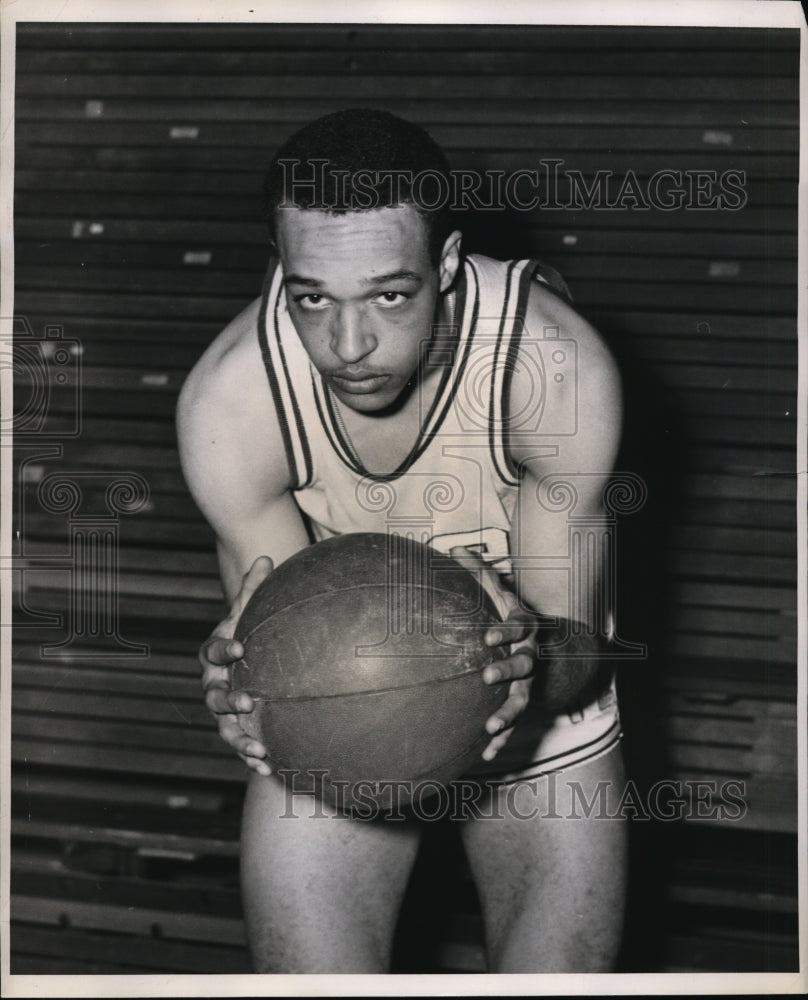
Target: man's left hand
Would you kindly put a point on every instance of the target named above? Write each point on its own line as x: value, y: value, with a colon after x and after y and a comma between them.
x: 516, y: 630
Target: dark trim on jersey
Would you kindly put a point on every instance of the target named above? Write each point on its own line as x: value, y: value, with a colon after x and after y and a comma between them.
x: 525, y: 283
x: 272, y: 377
x: 453, y: 372
x: 308, y: 477
x: 492, y: 406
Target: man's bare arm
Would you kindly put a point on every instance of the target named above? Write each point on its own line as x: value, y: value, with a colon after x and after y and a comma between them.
x: 556, y: 486
x: 235, y: 465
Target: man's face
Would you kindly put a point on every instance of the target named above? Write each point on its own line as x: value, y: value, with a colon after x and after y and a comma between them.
x: 362, y: 294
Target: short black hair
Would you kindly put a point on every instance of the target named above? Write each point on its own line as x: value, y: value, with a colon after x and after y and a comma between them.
x: 359, y: 159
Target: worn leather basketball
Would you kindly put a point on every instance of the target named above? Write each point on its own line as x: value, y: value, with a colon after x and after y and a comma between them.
x: 364, y: 656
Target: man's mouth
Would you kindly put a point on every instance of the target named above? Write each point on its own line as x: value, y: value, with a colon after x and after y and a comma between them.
x: 360, y: 382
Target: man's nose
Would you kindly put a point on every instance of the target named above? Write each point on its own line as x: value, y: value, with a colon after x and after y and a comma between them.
x: 350, y: 340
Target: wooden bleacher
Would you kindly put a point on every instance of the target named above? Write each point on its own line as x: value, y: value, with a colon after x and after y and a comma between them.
x: 139, y: 156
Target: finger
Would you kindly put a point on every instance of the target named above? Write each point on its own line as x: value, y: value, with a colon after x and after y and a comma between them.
x: 220, y: 650
x: 517, y: 666
x: 517, y: 626
x: 251, y: 581
x: 496, y: 744
x: 260, y: 766
x: 508, y: 711
x: 234, y: 736
x: 223, y: 701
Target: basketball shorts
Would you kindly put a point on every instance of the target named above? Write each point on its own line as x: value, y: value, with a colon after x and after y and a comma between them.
x: 539, y: 746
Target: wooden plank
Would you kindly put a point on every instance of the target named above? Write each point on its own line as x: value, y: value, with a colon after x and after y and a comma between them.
x: 750, y: 252
x: 779, y: 432
x: 175, y: 736
x: 188, y: 764
x: 771, y: 801
x: 687, y: 322
x: 187, y: 156
x: 761, y: 735
x: 72, y: 832
x: 29, y: 943
x: 733, y: 760
x: 772, y: 489
x: 178, y: 268
x: 760, y: 405
x: 206, y: 614
x: 388, y: 58
x: 189, y: 586
x: 732, y: 378
x: 733, y: 567
x: 677, y: 270
x: 727, y: 539
x: 740, y: 460
x: 132, y: 920
x: 781, y: 87
x: 295, y: 113
x: 117, y: 404
x: 119, y: 683
x: 736, y: 623
x: 98, y: 790
x: 714, y: 351
x: 551, y: 225
x: 60, y: 306
x: 91, y: 36
x: 182, y: 563
x: 687, y: 644
x: 207, y: 259
x: 161, y: 231
x: 158, y: 298
x: 743, y: 139
x: 161, y: 662
x: 157, y: 707
x: 80, y: 825
x: 739, y: 513
x: 699, y: 951
x: 172, y: 282
x: 177, y: 332
x: 161, y: 432
x: 719, y: 881
x: 735, y: 595
x: 723, y: 682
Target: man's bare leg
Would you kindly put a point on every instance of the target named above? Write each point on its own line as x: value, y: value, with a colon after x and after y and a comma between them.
x: 552, y: 889
x: 320, y: 893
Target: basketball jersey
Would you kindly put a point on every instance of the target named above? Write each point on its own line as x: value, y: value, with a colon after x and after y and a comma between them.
x: 457, y: 485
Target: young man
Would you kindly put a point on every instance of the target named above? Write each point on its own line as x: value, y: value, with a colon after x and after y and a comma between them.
x: 377, y: 357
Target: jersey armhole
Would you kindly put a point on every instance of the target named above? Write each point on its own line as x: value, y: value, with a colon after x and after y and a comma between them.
x: 287, y: 409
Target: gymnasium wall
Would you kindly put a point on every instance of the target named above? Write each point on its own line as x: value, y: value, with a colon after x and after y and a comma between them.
x: 139, y: 158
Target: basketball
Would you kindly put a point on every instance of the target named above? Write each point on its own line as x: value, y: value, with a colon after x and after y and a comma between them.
x: 364, y: 655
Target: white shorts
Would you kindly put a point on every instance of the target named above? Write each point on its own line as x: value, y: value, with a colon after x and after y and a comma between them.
x: 557, y: 744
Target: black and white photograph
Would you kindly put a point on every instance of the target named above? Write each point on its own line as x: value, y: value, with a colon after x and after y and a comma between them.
x: 403, y: 499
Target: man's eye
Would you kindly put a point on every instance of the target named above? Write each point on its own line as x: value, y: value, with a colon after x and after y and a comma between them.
x: 311, y: 300
x: 391, y: 298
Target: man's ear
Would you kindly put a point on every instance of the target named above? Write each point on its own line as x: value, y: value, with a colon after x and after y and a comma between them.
x: 450, y: 260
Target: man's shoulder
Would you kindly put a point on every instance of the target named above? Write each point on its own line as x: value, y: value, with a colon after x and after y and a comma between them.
x: 564, y: 354
x: 227, y: 366
x: 227, y: 389
x: 226, y: 420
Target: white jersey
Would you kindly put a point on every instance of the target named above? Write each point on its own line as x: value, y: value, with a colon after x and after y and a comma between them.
x: 457, y: 485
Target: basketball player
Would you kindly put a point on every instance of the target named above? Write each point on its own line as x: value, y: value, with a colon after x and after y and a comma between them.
x: 355, y: 370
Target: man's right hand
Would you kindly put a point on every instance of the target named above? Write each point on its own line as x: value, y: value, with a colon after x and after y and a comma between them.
x: 215, y: 656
